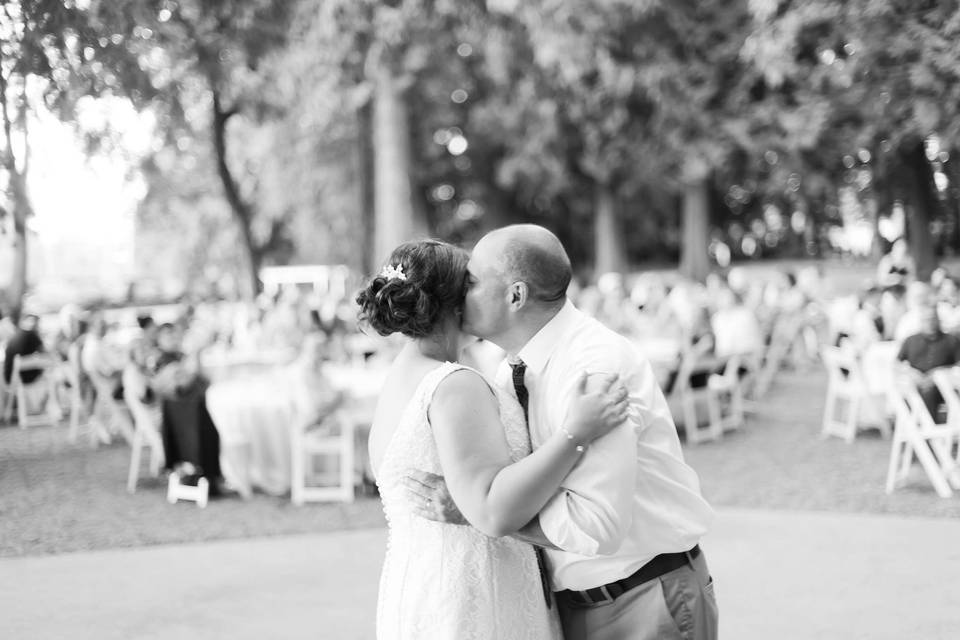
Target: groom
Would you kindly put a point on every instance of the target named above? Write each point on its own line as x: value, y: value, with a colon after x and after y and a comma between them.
x: 621, y: 535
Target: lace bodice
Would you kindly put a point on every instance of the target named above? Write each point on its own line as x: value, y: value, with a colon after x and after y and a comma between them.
x: 444, y: 581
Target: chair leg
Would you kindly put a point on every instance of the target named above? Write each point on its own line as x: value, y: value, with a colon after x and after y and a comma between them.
x: 828, y: 411
x: 853, y: 414
x: 346, y: 466
x: 906, y: 460
x: 933, y: 469
x: 715, y: 411
x: 895, y: 453
x: 156, y: 459
x: 134, y: 466
x: 21, y: 406
x: 690, y: 422
x: 297, y: 471
x: 736, y: 407
x: 9, y: 395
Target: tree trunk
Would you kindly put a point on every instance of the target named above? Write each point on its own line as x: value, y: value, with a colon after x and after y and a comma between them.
x: 921, y: 207
x: 242, y: 211
x: 952, y: 169
x: 609, y: 245
x: 22, y: 211
x: 394, y: 214
x: 367, y: 258
x: 694, y: 259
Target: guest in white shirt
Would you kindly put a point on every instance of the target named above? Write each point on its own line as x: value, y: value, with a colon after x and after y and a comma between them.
x: 622, y: 532
x: 736, y: 329
x: 918, y: 299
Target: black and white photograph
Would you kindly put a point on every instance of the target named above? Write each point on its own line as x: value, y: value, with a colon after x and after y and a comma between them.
x: 479, y: 319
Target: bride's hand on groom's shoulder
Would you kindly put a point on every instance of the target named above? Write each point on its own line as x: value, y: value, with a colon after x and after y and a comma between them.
x: 430, y: 498
x: 599, y: 404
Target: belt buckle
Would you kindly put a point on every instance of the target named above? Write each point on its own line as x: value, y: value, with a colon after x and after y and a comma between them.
x: 606, y: 595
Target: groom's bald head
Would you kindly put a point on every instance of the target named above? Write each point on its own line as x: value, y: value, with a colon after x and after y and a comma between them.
x: 534, y: 255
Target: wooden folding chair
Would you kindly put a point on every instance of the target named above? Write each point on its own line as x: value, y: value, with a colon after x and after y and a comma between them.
x: 846, y: 384
x: 333, y: 442
x: 916, y: 434
x: 18, y: 391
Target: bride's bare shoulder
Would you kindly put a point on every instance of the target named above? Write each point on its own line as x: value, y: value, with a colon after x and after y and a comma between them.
x: 463, y: 385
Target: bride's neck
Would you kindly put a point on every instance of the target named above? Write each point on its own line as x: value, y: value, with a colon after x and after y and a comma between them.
x: 441, y: 347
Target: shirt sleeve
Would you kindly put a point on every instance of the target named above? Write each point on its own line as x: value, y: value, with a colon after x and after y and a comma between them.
x: 592, y: 512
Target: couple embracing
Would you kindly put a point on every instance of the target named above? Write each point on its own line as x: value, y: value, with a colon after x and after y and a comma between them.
x: 551, y: 502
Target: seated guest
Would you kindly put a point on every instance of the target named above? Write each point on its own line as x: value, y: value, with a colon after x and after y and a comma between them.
x: 926, y: 351
x: 866, y: 326
x: 948, y: 304
x: 148, y: 330
x: 896, y: 267
x: 97, y: 357
x: 314, y: 394
x: 138, y: 374
x: 735, y: 327
x: 25, y: 341
x: 190, y: 439
x: 892, y: 309
x: 919, y: 297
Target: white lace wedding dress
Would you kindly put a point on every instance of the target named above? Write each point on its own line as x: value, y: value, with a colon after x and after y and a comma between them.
x: 452, y: 582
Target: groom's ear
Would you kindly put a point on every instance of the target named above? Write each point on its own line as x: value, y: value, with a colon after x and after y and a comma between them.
x: 517, y: 295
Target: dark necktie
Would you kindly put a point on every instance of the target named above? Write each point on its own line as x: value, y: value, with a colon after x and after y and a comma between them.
x: 519, y: 369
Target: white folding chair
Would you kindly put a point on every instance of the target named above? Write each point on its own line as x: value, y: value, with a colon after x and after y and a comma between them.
x: 332, y: 443
x: 146, y: 435
x: 96, y: 430
x: 725, y: 398
x: 684, y: 400
x: 109, y: 415
x: 21, y: 393
x: 916, y: 434
x: 846, y: 384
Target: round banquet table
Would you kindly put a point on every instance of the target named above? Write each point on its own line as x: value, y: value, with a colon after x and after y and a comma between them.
x: 258, y: 414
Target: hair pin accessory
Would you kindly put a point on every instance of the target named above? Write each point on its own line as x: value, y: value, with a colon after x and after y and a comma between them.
x: 390, y: 272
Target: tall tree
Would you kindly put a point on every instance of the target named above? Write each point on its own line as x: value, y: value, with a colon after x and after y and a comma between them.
x: 51, y: 53
x: 209, y: 65
x: 876, y: 75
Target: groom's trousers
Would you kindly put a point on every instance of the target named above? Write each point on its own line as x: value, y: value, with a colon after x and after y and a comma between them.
x: 679, y: 605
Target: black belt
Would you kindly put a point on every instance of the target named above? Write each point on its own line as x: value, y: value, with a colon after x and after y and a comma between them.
x: 664, y: 563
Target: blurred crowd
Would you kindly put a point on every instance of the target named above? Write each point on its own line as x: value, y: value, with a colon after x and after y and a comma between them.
x: 111, y: 365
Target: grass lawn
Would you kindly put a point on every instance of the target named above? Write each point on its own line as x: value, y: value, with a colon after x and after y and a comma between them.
x: 56, y: 497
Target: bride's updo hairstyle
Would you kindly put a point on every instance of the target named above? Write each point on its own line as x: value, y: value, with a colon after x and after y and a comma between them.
x: 420, y: 285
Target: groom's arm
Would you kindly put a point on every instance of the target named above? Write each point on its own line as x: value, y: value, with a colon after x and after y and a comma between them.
x: 532, y: 533
x: 431, y: 500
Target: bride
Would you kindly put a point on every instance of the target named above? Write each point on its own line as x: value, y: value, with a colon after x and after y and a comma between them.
x: 446, y: 581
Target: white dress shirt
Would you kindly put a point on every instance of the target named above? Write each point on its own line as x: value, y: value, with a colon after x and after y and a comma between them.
x: 631, y: 496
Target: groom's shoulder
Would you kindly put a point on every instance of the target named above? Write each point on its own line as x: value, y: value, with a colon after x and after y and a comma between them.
x: 594, y: 341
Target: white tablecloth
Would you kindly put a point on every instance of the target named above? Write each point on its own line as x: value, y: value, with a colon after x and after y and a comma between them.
x: 260, y: 412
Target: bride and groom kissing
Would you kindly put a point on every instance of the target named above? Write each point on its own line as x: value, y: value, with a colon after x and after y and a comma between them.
x: 550, y: 502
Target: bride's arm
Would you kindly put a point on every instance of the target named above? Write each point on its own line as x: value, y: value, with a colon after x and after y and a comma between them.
x: 496, y: 495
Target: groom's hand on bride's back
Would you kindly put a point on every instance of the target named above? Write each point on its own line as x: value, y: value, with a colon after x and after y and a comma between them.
x: 430, y: 499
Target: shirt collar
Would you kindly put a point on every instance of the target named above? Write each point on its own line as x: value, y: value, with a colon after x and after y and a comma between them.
x: 536, y: 353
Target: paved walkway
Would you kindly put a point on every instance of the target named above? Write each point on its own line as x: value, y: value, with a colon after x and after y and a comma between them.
x: 780, y: 574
